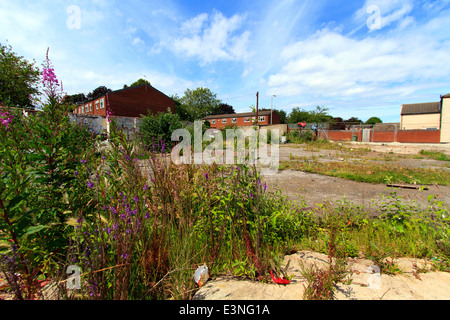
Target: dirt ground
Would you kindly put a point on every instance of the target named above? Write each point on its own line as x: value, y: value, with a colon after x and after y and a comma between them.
x: 316, y: 188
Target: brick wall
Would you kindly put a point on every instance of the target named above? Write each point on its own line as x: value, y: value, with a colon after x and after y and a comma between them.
x: 337, y: 135
x: 426, y: 136
x: 412, y: 136
x: 135, y: 101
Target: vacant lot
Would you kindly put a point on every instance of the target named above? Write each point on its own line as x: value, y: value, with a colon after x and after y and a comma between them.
x: 297, y: 177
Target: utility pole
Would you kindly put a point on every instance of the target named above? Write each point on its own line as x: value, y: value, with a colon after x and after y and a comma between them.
x: 271, y: 107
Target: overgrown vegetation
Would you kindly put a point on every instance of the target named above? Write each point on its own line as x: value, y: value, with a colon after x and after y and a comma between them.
x: 371, y: 172
x: 67, y: 201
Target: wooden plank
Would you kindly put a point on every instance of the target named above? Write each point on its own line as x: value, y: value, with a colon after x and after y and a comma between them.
x: 404, y: 186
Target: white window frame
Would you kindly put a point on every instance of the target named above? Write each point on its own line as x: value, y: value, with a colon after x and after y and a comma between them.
x: 102, y: 103
x: 224, y: 120
x: 261, y: 118
x: 96, y: 105
x: 233, y: 120
x: 213, y: 121
x: 247, y: 119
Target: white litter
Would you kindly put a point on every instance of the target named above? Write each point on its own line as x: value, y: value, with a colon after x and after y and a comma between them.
x: 201, y: 275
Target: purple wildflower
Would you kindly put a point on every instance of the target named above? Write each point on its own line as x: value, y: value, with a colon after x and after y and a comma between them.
x: 5, y: 119
x: 265, y: 186
x: 90, y: 184
x: 136, y: 199
x: 251, y: 195
x: 49, y: 76
x: 145, y: 187
x: 147, y: 215
x: 206, y: 176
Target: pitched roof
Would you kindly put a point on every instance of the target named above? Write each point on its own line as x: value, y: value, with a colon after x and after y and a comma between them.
x: 421, y: 108
x: 446, y: 96
x: 235, y: 115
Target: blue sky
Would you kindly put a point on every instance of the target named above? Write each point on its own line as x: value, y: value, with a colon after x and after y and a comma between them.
x: 356, y: 58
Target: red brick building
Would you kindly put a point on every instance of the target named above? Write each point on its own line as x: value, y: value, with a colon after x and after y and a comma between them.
x: 243, y: 119
x: 129, y: 102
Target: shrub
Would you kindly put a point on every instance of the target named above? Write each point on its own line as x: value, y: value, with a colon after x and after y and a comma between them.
x: 156, y: 130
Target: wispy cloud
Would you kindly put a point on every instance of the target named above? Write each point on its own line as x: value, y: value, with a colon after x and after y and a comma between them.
x: 331, y: 64
x: 214, y: 37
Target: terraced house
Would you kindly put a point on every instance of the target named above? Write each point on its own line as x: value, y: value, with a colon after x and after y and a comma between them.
x: 129, y: 102
x: 265, y: 118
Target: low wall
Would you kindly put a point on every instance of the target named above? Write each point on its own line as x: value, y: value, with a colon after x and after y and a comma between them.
x: 411, y: 136
x: 99, y: 124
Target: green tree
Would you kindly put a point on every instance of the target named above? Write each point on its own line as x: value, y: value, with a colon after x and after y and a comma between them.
x: 353, y: 121
x: 140, y: 82
x: 156, y: 129
x: 199, y: 103
x: 98, y: 92
x: 373, y: 120
x: 74, y: 98
x: 18, y: 79
x: 180, y: 109
x: 320, y: 114
x: 225, y: 108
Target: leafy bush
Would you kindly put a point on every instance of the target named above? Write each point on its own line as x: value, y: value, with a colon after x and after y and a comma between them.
x: 156, y: 130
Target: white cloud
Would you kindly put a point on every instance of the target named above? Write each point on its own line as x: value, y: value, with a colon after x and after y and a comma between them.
x: 329, y: 64
x: 137, y: 41
x: 213, y: 38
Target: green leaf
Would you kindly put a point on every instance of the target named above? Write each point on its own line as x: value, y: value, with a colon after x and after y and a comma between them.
x: 35, y: 229
x: 15, y: 201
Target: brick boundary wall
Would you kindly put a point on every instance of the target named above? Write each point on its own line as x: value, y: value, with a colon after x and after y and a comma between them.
x: 412, y: 136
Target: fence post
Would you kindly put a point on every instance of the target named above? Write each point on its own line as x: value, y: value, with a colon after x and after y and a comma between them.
x: 395, y: 135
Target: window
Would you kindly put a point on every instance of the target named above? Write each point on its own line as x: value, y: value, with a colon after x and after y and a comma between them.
x: 233, y: 120
x: 224, y: 120
x: 102, y: 103
x: 79, y: 109
x: 213, y: 121
x: 96, y: 105
x: 246, y: 119
x: 261, y: 118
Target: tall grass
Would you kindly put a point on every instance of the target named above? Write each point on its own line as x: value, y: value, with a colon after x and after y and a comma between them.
x: 146, y: 234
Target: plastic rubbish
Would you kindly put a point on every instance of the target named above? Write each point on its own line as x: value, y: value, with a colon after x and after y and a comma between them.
x: 201, y: 275
x: 279, y: 280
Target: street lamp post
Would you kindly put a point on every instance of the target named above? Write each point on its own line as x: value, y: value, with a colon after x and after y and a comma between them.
x: 271, y: 107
